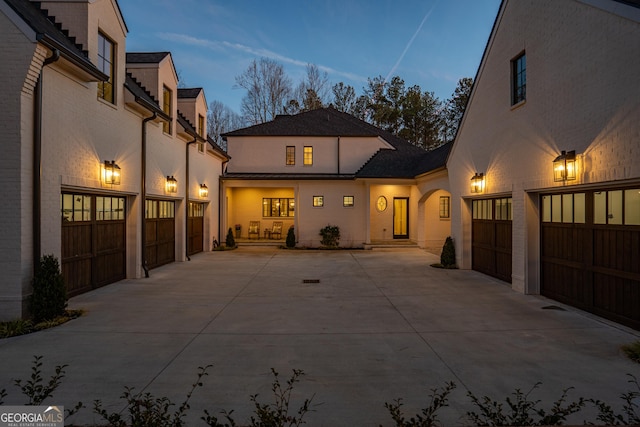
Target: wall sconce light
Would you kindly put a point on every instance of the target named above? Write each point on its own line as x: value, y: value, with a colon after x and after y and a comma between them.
x: 477, y: 183
x: 564, y: 166
x: 111, y: 173
x: 171, y: 184
x: 204, y: 191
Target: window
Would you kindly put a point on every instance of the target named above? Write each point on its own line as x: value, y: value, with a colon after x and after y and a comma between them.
x: 493, y: 209
x: 106, y: 59
x: 196, y: 209
x: 109, y: 208
x: 276, y: 207
x: 318, y: 201
x: 347, y: 201
x: 201, y: 132
x: 75, y: 207
x: 564, y: 208
x: 291, y: 155
x: 519, y: 79
x: 308, y: 156
x: 167, y: 97
x: 617, y: 207
x: 160, y: 209
x: 444, y: 207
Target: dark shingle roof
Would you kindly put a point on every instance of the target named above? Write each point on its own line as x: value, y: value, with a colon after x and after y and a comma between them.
x: 320, y: 122
x: 143, y: 97
x: 146, y: 57
x: 189, y: 92
x: 403, y: 161
x: 52, y: 35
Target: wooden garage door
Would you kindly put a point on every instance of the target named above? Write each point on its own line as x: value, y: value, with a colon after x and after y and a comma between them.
x: 491, y: 237
x: 160, y: 232
x: 196, y: 227
x: 93, y: 241
x: 590, y: 247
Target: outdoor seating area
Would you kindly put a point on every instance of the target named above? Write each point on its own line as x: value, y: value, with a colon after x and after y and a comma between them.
x: 273, y: 232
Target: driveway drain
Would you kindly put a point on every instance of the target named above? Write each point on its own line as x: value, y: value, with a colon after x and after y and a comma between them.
x: 310, y: 280
x: 553, y: 307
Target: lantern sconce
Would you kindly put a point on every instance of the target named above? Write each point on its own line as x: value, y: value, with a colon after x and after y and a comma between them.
x: 477, y: 183
x: 111, y: 173
x: 564, y: 166
x: 171, y: 184
x: 204, y: 191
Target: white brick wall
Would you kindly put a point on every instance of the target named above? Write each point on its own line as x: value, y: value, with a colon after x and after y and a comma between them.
x: 79, y: 132
x: 582, y: 95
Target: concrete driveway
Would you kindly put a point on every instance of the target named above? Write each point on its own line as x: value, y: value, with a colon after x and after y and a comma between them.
x: 366, y: 327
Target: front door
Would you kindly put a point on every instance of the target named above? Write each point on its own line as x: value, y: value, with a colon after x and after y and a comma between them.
x: 401, y: 218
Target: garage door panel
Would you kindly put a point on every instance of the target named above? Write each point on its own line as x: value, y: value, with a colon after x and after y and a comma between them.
x: 491, y: 237
x: 93, y: 251
x: 160, y: 236
x: 594, y: 262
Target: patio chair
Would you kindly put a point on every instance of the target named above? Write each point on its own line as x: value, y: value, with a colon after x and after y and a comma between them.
x: 276, y: 230
x: 254, y: 229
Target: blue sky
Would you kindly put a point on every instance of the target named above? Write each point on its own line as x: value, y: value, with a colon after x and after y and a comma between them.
x: 430, y: 43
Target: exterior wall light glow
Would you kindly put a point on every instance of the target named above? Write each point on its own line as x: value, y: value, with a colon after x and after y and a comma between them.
x: 111, y: 173
x: 564, y: 166
x: 477, y: 183
x: 204, y: 191
x: 171, y: 185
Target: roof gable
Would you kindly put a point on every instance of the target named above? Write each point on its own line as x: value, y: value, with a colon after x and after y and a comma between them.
x: 400, y: 160
x: 54, y: 36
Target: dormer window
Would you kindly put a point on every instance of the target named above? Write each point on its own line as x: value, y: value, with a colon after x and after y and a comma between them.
x: 201, y: 132
x: 106, y: 62
x: 519, y: 79
x: 167, y: 96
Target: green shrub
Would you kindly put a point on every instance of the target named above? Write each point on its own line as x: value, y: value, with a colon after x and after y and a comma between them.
x: 146, y: 410
x: 14, y: 328
x: 231, y: 241
x: 49, y: 298
x: 630, y: 415
x: 291, y: 238
x: 632, y: 351
x: 428, y: 418
x: 448, y: 256
x: 330, y: 236
x: 521, y: 411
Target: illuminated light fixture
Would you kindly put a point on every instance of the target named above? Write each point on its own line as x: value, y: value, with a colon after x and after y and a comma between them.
x: 477, y: 183
x: 564, y: 166
x: 171, y: 185
x: 204, y: 191
x: 111, y: 173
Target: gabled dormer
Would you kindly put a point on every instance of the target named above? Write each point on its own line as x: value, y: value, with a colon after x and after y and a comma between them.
x: 192, y: 104
x: 97, y: 26
x: 157, y: 73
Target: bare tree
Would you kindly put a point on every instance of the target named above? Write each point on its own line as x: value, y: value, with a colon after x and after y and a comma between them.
x: 268, y: 90
x: 221, y: 119
x: 312, y: 92
x: 344, y: 98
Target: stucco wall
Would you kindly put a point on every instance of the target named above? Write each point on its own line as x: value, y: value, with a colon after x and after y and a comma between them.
x: 330, y: 154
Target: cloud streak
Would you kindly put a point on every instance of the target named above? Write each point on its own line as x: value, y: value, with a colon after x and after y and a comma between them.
x: 223, y: 46
x: 406, y: 48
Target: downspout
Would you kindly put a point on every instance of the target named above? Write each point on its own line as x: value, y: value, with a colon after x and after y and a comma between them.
x: 143, y: 194
x: 338, y: 154
x: 37, y: 162
x: 221, y: 201
x: 186, y: 198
